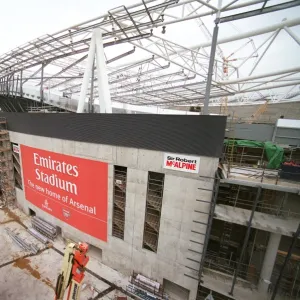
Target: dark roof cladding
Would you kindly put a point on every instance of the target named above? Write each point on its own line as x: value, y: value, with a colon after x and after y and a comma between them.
x: 199, y: 135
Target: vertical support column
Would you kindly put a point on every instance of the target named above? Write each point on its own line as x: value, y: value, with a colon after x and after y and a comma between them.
x: 87, y: 76
x: 209, y: 224
x: 287, y: 258
x: 269, y: 261
x: 211, y: 67
x: 91, y: 102
x: 7, y: 85
x: 103, y: 86
x: 258, y: 194
x: 17, y: 86
x: 212, y: 59
x: 42, y: 85
x: 13, y: 85
x: 21, y: 84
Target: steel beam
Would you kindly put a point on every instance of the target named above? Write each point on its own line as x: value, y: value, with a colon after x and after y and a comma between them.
x: 210, y: 69
x: 120, y: 56
x: 102, y: 76
x: 168, y: 59
x: 249, y: 223
x: 293, y: 35
x: 251, y: 33
x: 87, y: 76
x: 91, y: 102
x: 66, y: 68
x: 42, y: 84
x: 21, y: 83
x: 260, y: 11
x: 208, y: 5
x: 264, y: 75
x: 140, y: 74
x: 196, y: 16
x: 287, y: 258
x: 32, y: 75
x: 264, y: 52
x: 229, y: 4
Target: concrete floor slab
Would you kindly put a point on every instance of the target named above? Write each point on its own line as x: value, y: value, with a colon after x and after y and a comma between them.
x: 223, y: 287
x: 34, y: 277
x: 262, y: 221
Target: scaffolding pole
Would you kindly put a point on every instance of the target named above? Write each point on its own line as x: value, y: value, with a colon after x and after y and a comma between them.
x: 289, y: 254
x: 245, y: 240
x: 209, y: 225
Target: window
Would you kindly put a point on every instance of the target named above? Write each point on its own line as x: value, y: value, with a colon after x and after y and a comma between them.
x: 119, y: 201
x: 17, y: 166
x: 31, y: 212
x: 153, y: 210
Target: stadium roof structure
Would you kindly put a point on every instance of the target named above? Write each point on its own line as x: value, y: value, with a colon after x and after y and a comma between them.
x: 173, y: 52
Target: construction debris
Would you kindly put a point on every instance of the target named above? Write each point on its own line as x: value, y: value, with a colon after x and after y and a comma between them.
x: 38, y: 235
x: 21, y: 243
x: 43, y: 227
x: 7, y: 181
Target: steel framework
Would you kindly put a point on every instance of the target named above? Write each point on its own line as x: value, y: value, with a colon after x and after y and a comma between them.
x: 149, y: 63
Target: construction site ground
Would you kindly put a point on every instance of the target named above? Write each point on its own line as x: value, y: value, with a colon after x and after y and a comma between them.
x: 25, y: 276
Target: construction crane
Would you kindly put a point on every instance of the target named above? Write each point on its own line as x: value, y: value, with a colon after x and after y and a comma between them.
x: 224, y: 101
x: 72, y: 272
x: 261, y: 109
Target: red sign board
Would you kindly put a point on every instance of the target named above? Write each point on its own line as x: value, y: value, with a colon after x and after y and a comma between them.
x: 71, y: 189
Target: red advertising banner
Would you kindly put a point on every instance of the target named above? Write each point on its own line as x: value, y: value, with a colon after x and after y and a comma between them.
x: 69, y: 188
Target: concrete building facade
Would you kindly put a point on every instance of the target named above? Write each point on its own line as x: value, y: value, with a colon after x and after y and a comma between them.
x: 175, y: 263
x: 201, y: 219
x: 248, y: 186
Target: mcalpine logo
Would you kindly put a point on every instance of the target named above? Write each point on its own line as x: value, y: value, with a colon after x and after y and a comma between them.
x: 179, y: 162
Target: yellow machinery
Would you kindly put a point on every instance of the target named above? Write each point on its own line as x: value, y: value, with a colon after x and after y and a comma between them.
x: 72, y: 273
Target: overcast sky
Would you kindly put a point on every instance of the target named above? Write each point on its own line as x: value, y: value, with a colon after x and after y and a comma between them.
x: 22, y: 21
x: 25, y: 20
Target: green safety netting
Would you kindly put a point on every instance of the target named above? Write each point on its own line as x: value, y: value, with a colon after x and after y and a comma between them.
x: 274, y: 153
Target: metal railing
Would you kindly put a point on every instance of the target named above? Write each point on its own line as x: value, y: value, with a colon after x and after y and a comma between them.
x: 272, y: 202
x: 289, y: 286
x: 251, y: 162
x: 247, y: 272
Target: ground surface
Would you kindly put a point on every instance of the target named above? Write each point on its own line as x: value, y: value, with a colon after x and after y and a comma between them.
x: 24, y: 277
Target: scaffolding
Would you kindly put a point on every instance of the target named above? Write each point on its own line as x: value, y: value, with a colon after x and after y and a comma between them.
x: 251, y: 163
x: 153, y: 210
x: 7, y: 181
x: 224, y: 252
x: 146, y: 289
x: 17, y: 166
x: 272, y: 202
x: 203, y: 293
x: 119, y: 201
x: 289, y: 286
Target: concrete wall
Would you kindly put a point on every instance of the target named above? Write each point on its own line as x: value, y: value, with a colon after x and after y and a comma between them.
x: 255, y: 132
x: 178, y: 210
x: 290, y: 110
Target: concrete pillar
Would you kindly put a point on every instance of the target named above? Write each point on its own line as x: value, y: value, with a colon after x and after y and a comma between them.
x: 269, y: 261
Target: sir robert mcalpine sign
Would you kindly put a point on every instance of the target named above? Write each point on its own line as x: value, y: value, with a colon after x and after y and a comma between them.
x: 179, y: 162
x: 70, y: 188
